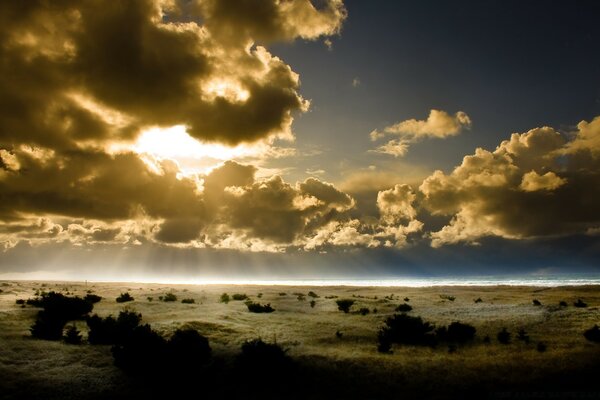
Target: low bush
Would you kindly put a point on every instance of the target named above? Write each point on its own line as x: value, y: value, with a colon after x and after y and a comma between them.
x: 110, y: 330
x: 282, y: 293
x: 188, y: 301
x: 47, y: 326
x: 58, y: 309
x: 124, y: 297
x: 140, y: 351
x: 536, y: 302
x: 344, y: 305
x: 301, y: 297
x: 522, y: 335
x: 457, y: 332
x: 592, y: 334
x: 150, y: 298
x: 187, y: 348
x: 563, y: 303
x: 20, y: 301
x: 224, y: 298
x: 364, y: 311
x: 313, y: 295
x: 478, y: 300
x: 259, y: 308
x: 541, y: 347
x: 169, y: 297
x: 404, y: 329
x: 92, y: 298
x: 404, y: 308
x: 406, y: 299
x: 580, y: 303
x: 447, y: 297
x: 239, y: 296
x: 313, y: 304
x: 72, y: 336
x: 503, y: 336
x: 259, y: 357
x: 338, y: 334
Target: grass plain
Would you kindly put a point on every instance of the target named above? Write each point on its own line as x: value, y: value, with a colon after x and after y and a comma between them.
x: 337, y: 351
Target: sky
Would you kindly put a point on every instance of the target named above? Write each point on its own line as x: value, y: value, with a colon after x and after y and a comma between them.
x: 157, y: 139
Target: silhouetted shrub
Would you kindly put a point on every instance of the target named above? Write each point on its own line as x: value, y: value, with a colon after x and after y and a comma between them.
x: 169, y: 297
x: 503, y: 336
x: 259, y: 295
x: 406, y: 299
x: 579, y: 303
x: 260, y: 357
x: 259, y: 308
x: 522, y: 335
x: 344, y: 305
x: 331, y: 297
x: 384, y: 342
x: 150, y: 298
x: 313, y: 295
x: 363, y: 311
x: 313, y: 304
x: 563, y: 303
x: 124, y: 297
x: 48, y: 326
x: 536, y: 302
x: 239, y: 296
x: 541, y: 347
x: 593, y: 334
x: 404, y: 308
x: 72, y: 336
x: 110, y: 330
x: 375, y: 311
x: 301, y: 297
x: 140, y: 351
x: 478, y: 300
x: 404, y: 329
x: 62, y: 307
x: 188, y: 348
x: 92, y: 298
x: 188, y: 301
x: 457, y: 332
x: 282, y: 293
x: 447, y: 297
x: 338, y: 334
x: 224, y: 298
x: 452, y: 348
x: 20, y: 301
x: 486, y: 339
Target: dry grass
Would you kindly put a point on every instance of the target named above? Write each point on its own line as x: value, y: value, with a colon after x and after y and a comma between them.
x: 309, y: 333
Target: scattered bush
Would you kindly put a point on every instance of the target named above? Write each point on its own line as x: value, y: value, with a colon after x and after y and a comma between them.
x: 344, y: 305
x: 20, y: 301
x: 406, y: 299
x: 313, y: 295
x: 447, y: 297
x: 58, y: 309
x: 259, y: 308
x: 169, y: 297
x: 187, y: 348
x: 301, y: 297
x: 313, y: 304
x: 536, y: 302
x: 338, y: 334
x: 124, y: 297
x: 282, y: 293
x: 110, y: 330
x: 150, y: 298
x: 404, y: 308
x: 375, y: 311
x: 503, y: 336
x: 72, y: 336
x: 478, y: 300
x: 188, y: 301
x: 404, y: 329
x: 592, y: 334
x: 259, y: 295
x: 47, y: 326
x: 486, y: 339
x: 258, y: 356
x: 92, y: 298
x: 363, y: 311
x: 140, y: 350
x: 457, y: 332
x: 541, y: 347
x: 563, y: 303
x: 331, y: 297
x: 523, y: 336
x: 239, y: 296
x: 579, y: 303
x: 224, y: 298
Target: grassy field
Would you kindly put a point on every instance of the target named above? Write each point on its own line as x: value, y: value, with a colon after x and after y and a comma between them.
x: 336, y: 351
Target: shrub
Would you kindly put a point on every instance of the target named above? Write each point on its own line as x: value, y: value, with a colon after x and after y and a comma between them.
x: 282, y: 293
x: 187, y: 348
x: 259, y: 308
x: 592, y: 334
x: 301, y: 297
x: 169, y: 297
x: 406, y: 299
x: 404, y: 329
x: 124, y: 297
x: 338, y: 334
x: 458, y: 332
x: 384, y: 342
x: 522, y: 335
x: 541, y: 347
x: 536, y: 302
x: 503, y: 336
x: 47, y: 326
x: 579, y: 303
x: 140, y: 351
x: 258, y: 356
x: 224, y: 298
x: 447, y: 297
x: 259, y: 295
x: 313, y: 295
x: 404, y: 308
x: 562, y: 303
x: 313, y: 304
x: 92, y: 298
x: 478, y: 300
x: 331, y: 297
x: 20, y: 301
x: 344, y: 305
x: 486, y: 339
x: 63, y: 307
x: 72, y: 336
x: 150, y: 298
x: 188, y: 301
x: 110, y: 330
x: 375, y: 311
x: 239, y: 296
x: 363, y: 311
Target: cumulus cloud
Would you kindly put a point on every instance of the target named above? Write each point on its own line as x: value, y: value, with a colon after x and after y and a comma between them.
x: 439, y: 124
x: 535, y: 184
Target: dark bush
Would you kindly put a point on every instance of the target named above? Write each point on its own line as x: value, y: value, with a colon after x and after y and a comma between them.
x: 188, y: 301
x: 458, y: 332
x: 344, y: 305
x: 523, y: 336
x: 110, y: 330
x: 541, y: 347
x: 140, y: 351
x: 406, y: 299
x: 478, y: 300
x: 124, y: 297
x: 593, y: 334
x: 404, y: 329
x: 338, y: 334
x: 259, y: 308
x: 188, y: 348
x: 48, y: 326
x: 486, y: 339
x: 282, y: 293
x: 224, y: 298
x: 239, y: 296
x: 20, y: 301
x: 92, y: 298
x: 503, y: 336
x: 563, y: 303
x: 384, y: 342
x: 364, y: 311
x: 313, y: 304
x: 579, y: 303
x: 536, y: 302
x: 63, y: 307
x: 260, y: 357
x: 150, y: 298
x: 404, y: 308
x: 72, y: 336
x: 301, y: 297
x: 259, y: 295
x: 313, y: 295
x: 169, y: 297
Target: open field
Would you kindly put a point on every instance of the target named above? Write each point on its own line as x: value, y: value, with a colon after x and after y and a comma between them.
x: 348, y: 364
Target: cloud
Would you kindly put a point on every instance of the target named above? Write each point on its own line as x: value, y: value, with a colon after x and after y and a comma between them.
x: 536, y: 184
x: 439, y: 124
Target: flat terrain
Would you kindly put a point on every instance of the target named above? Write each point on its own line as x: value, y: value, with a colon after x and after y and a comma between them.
x: 348, y: 361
